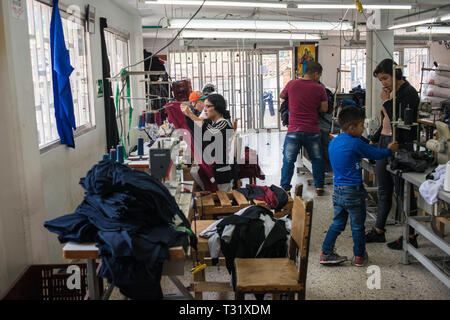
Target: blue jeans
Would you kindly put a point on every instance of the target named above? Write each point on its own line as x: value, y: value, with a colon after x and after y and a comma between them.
x: 292, y: 145
x: 348, y: 202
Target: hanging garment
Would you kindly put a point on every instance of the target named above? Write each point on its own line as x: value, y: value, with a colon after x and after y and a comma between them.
x: 159, y: 92
x: 112, y: 131
x: 268, y: 98
x: 61, y: 71
x: 129, y: 215
x: 274, y: 196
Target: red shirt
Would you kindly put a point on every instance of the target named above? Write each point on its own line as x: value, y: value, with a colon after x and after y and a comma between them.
x: 305, y: 97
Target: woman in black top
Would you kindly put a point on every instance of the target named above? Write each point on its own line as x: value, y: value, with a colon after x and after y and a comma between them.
x: 406, y: 96
x: 217, y: 131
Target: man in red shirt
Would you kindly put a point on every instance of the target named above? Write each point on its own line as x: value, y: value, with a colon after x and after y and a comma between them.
x: 306, y: 99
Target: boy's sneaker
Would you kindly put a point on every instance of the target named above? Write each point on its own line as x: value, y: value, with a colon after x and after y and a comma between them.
x: 398, y: 244
x: 320, y: 191
x: 360, y: 261
x: 332, y: 258
x: 373, y: 236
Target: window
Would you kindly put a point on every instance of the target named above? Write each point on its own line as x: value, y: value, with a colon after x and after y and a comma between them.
x: 39, y: 17
x: 353, y: 60
x: 414, y: 59
x: 118, y: 56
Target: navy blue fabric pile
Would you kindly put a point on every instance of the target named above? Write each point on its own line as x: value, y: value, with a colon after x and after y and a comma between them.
x: 128, y: 214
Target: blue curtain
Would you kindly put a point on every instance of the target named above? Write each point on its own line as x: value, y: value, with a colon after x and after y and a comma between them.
x: 61, y: 71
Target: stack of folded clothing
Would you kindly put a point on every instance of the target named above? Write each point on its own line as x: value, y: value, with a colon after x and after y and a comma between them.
x: 129, y: 215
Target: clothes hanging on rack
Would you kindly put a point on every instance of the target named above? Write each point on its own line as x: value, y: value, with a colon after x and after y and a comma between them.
x: 159, y: 90
x: 268, y: 98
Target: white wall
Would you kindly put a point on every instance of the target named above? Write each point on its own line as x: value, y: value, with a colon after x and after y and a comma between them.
x: 38, y: 187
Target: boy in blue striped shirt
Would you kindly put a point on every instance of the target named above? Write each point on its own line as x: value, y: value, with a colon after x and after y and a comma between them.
x: 349, y: 198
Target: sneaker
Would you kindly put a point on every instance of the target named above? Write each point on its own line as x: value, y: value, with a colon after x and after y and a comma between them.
x: 320, y: 192
x: 360, y: 261
x: 398, y: 244
x: 332, y: 258
x: 373, y: 236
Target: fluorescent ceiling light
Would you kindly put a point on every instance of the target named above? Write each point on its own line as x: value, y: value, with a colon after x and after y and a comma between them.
x: 436, y: 30
x: 258, y: 24
x: 445, y: 18
x: 412, y: 24
x: 248, y: 35
x: 276, y: 5
x: 353, y: 6
x: 221, y: 3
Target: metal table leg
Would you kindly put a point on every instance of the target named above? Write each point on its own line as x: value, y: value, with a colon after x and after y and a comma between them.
x: 92, y: 280
x: 406, y: 206
x: 186, y: 294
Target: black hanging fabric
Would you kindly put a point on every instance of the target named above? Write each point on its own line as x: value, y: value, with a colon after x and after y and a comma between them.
x: 157, y: 90
x: 112, y: 131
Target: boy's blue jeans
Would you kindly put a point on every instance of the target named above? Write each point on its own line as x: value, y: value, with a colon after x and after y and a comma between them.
x: 292, y: 144
x: 348, y: 201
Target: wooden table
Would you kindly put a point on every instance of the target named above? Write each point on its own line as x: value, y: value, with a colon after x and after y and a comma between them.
x: 199, y: 284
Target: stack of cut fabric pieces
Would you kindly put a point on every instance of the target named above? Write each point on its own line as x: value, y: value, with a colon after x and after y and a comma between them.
x: 437, y: 89
x: 128, y: 214
x: 275, y: 197
x: 252, y: 232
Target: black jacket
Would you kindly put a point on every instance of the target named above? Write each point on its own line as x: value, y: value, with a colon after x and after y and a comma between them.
x: 249, y: 235
x: 406, y: 96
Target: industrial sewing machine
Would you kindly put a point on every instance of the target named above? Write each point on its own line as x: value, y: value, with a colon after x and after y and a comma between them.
x: 441, y: 145
x: 164, y: 158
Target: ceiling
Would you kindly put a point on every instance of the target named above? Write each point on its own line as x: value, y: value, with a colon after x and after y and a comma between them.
x: 153, y: 15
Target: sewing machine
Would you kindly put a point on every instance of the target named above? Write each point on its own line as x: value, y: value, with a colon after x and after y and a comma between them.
x: 441, y: 145
x: 164, y: 158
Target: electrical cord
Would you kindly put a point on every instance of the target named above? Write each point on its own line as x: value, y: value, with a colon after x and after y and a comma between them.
x: 168, y: 44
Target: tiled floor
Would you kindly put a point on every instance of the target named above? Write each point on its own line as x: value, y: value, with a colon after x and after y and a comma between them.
x: 398, y: 281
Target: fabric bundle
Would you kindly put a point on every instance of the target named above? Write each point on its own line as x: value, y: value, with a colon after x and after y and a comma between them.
x: 438, y: 87
x: 274, y: 196
x: 128, y: 214
x: 250, y: 168
x: 430, y: 188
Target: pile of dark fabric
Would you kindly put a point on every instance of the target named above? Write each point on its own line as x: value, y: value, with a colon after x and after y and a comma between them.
x: 411, y: 161
x: 359, y: 95
x: 275, y: 197
x: 129, y: 215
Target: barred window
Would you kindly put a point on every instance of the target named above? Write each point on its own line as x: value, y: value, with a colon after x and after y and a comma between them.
x: 39, y: 18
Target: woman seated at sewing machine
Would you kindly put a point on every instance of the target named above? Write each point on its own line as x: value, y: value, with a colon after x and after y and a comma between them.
x: 216, y: 128
x: 406, y: 98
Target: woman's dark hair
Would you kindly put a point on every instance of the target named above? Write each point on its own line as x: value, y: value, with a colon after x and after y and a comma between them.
x: 220, y: 105
x: 350, y: 116
x: 386, y: 67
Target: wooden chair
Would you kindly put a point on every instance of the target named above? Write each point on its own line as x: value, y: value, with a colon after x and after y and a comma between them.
x: 280, y: 275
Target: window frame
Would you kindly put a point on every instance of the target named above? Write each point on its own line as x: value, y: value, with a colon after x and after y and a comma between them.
x: 90, y: 125
x: 123, y: 110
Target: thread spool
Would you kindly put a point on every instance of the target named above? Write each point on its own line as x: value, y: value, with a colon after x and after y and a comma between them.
x: 140, y: 147
x: 408, y: 116
x: 141, y: 121
x: 113, y: 154
x: 120, y: 154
